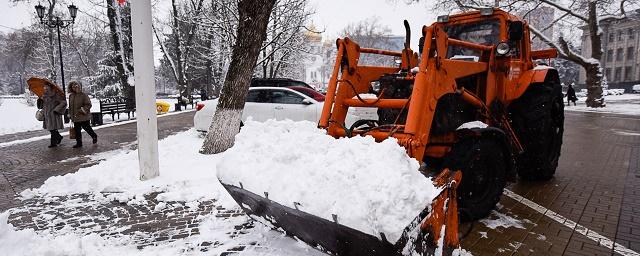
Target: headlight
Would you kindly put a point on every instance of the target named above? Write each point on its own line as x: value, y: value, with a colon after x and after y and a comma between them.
x: 502, y: 48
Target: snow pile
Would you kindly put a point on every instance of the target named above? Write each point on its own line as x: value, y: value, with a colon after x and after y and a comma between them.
x: 473, y: 124
x: 185, y: 175
x: 372, y: 187
x: 17, y: 116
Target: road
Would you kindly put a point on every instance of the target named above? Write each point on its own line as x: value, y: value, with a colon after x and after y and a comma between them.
x: 597, y: 186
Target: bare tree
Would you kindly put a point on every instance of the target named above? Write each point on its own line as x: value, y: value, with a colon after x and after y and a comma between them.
x: 285, y: 42
x: 371, y: 34
x: 251, y: 33
x: 570, y: 13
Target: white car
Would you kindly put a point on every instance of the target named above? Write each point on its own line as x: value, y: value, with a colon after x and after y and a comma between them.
x: 636, y: 88
x: 263, y: 103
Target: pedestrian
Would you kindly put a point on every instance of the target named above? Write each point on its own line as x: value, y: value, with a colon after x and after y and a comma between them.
x: 203, y: 94
x: 571, y: 95
x: 80, y: 113
x: 53, y: 106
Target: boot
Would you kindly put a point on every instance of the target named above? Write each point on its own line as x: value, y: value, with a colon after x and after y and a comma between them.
x: 54, y: 141
x: 59, y: 139
x: 95, y: 139
x: 78, y: 142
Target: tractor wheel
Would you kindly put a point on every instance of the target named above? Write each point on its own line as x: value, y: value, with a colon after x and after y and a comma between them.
x: 538, y: 121
x: 483, y: 161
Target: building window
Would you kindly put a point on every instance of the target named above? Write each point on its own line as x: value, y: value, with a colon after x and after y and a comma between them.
x: 619, y: 54
x: 630, y: 53
x: 631, y: 33
x: 628, y: 73
x: 607, y: 73
x: 617, y: 75
x: 611, y: 37
x: 619, y: 35
x: 609, y: 55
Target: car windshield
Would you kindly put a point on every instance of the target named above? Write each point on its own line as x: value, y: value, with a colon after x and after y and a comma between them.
x: 484, y: 32
x: 309, y: 92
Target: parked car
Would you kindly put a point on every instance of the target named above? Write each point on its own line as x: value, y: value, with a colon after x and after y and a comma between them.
x: 277, y: 82
x: 636, y: 88
x: 296, y: 103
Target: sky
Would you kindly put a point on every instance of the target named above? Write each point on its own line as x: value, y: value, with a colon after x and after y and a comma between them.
x: 15, y: 16
x: 330, y: 16
x: 333, y: 15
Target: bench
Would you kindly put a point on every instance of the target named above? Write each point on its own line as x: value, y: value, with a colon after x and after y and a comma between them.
x: 113, y: 107
x: 191, y: 101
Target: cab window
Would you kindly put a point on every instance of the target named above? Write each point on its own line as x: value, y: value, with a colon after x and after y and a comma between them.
x: 484, y: 33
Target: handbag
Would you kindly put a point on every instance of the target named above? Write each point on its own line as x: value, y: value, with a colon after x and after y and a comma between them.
x: 72, y: 132
x: 40, y: 115
x: 66, y: 116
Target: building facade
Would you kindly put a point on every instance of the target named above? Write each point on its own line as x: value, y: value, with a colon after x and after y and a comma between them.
x: 620, y: 44
x: 540, y: 18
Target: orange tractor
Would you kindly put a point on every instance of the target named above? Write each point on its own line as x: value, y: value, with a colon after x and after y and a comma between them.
x: 473, y: 107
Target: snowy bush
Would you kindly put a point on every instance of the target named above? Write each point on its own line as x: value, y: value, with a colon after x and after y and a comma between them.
x: 29, y: 99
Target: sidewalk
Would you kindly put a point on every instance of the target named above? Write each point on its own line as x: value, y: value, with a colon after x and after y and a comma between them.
x: 102, y: 213
x: 28, y: 165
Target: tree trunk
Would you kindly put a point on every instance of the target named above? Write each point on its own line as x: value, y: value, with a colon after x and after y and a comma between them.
x: 594, y: 86
x: 182, y: 84
x: 119, y: 48
x: 594, y: 71
x: 251, y: 32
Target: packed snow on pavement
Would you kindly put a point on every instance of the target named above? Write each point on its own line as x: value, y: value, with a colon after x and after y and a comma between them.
x: 383, y: 181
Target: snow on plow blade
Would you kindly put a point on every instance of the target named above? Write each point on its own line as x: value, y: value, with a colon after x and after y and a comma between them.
x: 422, y: 235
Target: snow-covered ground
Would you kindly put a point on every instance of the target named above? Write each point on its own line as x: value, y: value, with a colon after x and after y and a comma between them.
x: 185, y: 175
x: 190, y: 177
x: 627, y: 104
x: 17, y: 116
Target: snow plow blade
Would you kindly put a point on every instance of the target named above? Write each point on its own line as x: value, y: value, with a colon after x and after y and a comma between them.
x: 422, y: 235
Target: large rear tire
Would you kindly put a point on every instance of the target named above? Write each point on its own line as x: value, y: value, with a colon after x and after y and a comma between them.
x: 538, y: 121
x: 484, y: 162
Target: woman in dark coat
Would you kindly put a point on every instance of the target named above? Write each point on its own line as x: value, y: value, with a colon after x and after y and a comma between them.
x: 80, y: 113
x: 571, y: 95
x: 53, y: 106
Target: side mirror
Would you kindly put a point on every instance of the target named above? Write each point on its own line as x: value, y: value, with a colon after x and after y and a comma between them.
x: 307, y: 102
x: 516, y: 30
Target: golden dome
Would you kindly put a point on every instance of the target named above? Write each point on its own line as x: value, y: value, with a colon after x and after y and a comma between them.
x: 311, y: 33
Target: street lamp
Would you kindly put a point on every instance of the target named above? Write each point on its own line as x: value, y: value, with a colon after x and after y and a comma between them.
x: 57, y: 23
